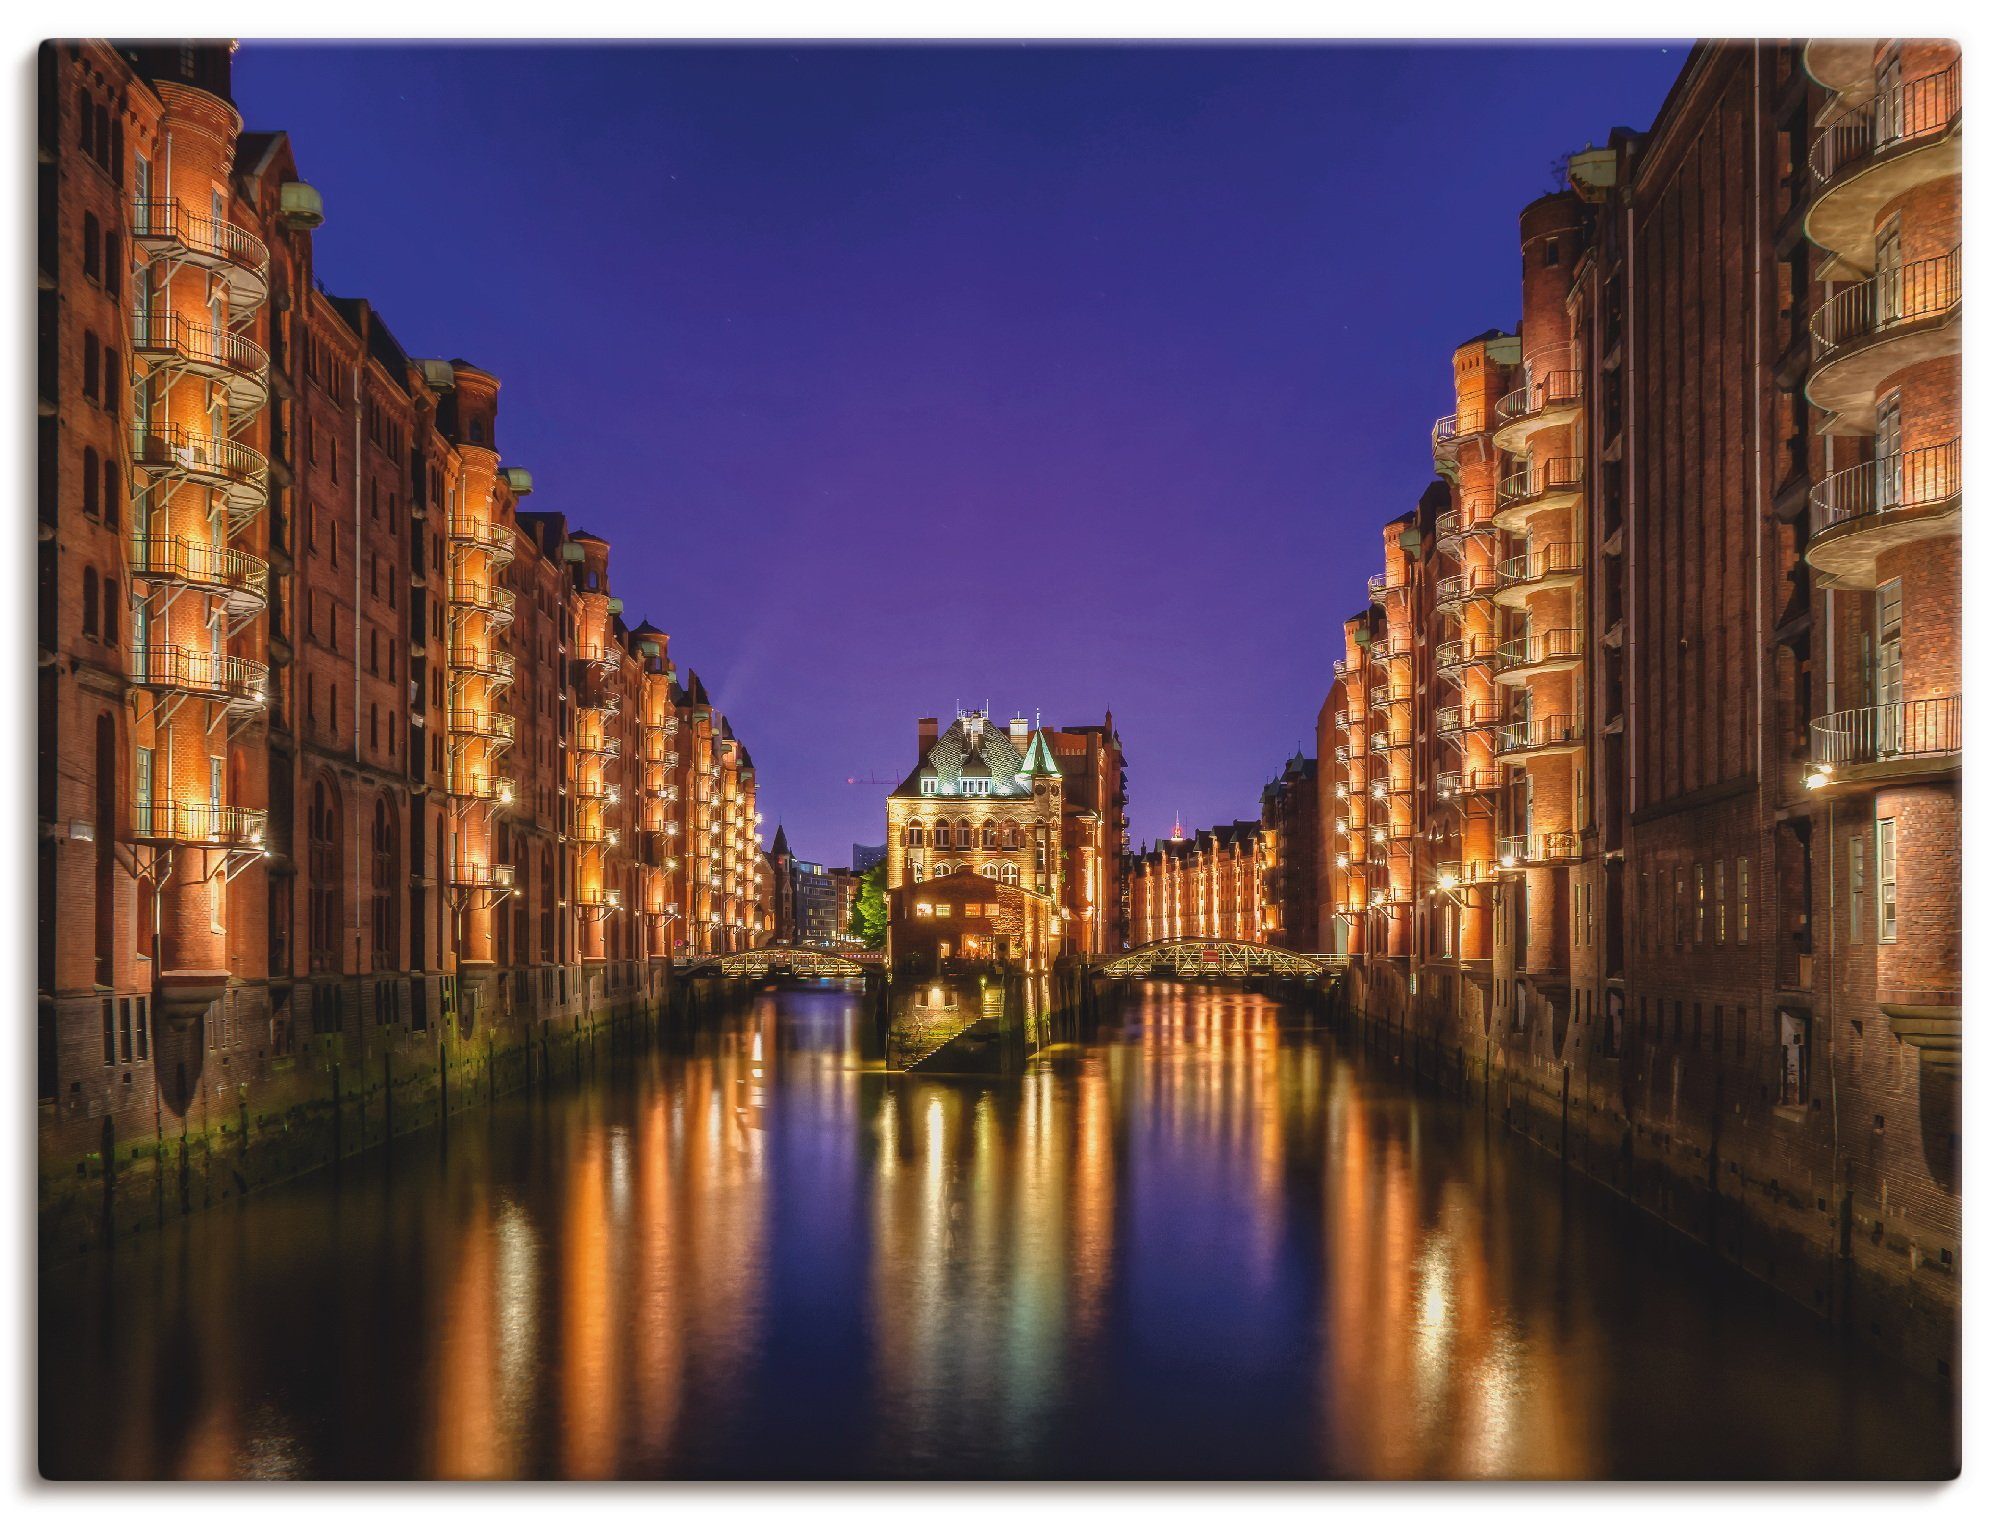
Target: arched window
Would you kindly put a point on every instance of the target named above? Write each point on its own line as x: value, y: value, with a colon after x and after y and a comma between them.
x: 1010, y: 874
x: 382, y: 879
x: 964, y: 833
x: 941, y: 834
x: 913, y: 836
x: 323, y: 857
x: 990, y: 871
x: 940, y: 869
x: 1010, y: 837
x: 989, y: 835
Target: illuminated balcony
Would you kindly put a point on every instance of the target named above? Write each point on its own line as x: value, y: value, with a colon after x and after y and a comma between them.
x: 1858, y: 513
x: 1554, y: 846
x: 1461, y: 875
x: 179, y: 670
x: 1386, y: 695
x: 477, y: 883
x: 593, y: 832
x: 1382, y: 740
x: 1381, y: 588
x: 595, y: 744
x: 493, y: 539
x: 1448, y: 434
x: 1457, y: 654
x: 1474, y: 780
x: 1866, y: 332
x: 241, y: 473
x: 497, y: 789
x: 1459, y: 524
x: 1553, y: 397
x: 1467, y: 716
x: 200, y: 824
x: 1551, y: 567
x: 1534, y: 737
x: 487, y: 664
x: 1867, y: 156
x: 168, y: 343
x: 168, y: 231
x: 1469, y: 584
x: 1888, y: 742
x: 1390, y: 646
x: 493, y: 602
x: 241, y: 580
x: 481, y: 723
x: 1539, y: 654
x: 1526, y: 489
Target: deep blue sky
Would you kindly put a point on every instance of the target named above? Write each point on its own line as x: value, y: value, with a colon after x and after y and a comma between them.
x: 1047, y: 378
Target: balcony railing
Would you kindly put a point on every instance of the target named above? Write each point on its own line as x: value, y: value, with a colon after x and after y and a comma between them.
x: 1895, y: 297
x: 498, y: 789
x: 1387, y: 695
x: 206, y: 238
x: 1390, y: 646
x: 1551, y: 646
x: 208, y: 567
x: 492, y: 664
x: 1529, y: 482
x: 1551, y: 846
x: 1552, y: 389
x: 478, y: 722
x: 1551, y: 559
x: 1552, y: 730
x: 1381, y: 587
x: 1474, y: 780
x: 1456, y: 653
x: 1921, y: 477
x: 1926, y: 107
x: 202, y: 823
x: 1892, y: 731
x: 494, y: 539
x: 1466, y: 715
x: 595, y: 745
x: 205, y: 456
x: 1474, y: 581
x: 495, y: 602
x: 1450, y: 430
x: 197, y: 672
x: 213, y: 348
x: 472, y: 875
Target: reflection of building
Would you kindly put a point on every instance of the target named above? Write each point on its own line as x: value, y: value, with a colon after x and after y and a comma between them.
x: 1623, y: 760
x: 1037, y: 808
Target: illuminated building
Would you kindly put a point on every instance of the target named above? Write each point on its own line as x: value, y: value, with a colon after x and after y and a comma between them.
x: 1288, y: 846
x: 1639, y: 774
x: 1211, y: 886
x: 343, y: 753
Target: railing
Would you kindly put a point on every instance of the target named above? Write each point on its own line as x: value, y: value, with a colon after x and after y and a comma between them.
x: 493, y: 538
x: 472, y: 875
x: 222, y: 677
x: 595, y: 745
x: 1558, y: 387
x: 1540, y: 733
x: 1390, y: 646
x: 1477, y: 580
x: 1466, y: 715
x: 1894, y: 297
x: 1540, y: 564
x: 476, y: 722
x: 1448, y: 431
x: 494, y: 664
x: 1924, y: 107
x: 197, y: 453
x: 1380, y: 585
x: 1477, y: 779
x: 492, y: 788
x: 211, y: 237
x: 1894, y: 730
x: 1550, y: 846
x: 1386, y: 695
x: 201, y: 564
x: 1921, y: 477
x: 216, y: 347
x: 1455, y: 653
x: 496, y: 601
x: 1526, y: 482
x: 204, y: 823
x: 1541, y: 648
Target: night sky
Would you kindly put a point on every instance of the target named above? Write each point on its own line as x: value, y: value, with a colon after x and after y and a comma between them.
x: 905, y: 378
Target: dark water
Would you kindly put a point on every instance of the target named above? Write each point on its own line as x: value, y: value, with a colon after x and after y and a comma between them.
x: 1212, y: 1242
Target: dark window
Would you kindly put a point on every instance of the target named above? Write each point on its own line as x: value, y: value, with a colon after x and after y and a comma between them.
x: 110, y: 1036
x: 89, y: 602
x: 93, y: 246
x: 91, y: 480
x: 113, y: 486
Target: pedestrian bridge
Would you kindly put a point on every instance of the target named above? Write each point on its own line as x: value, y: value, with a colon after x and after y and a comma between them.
x: 798, y: 962
x: 1195, y: 958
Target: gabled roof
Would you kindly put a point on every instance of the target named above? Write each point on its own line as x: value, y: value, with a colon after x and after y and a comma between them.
x: 1040, y: 759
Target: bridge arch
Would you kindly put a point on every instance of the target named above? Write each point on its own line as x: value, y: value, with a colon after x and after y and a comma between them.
x: 781, y: 960
x: 1195, y: 958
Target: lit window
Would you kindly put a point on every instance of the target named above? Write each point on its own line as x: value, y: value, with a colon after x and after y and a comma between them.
x: 1885, y: 878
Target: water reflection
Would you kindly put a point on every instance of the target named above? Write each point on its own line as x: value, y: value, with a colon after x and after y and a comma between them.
x: 1206, y: 1242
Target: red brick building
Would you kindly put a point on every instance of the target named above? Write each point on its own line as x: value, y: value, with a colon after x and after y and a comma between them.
x: 1211, y: 886
x: 1639, y: 775
x: 341, y: 753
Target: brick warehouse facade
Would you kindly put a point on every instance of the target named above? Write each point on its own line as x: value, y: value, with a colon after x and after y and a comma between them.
x: 1639, y: 774
x: 346, y: 759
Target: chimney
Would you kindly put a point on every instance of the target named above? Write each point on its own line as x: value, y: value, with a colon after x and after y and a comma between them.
x: 1018, y: 730
x: 926, y: 736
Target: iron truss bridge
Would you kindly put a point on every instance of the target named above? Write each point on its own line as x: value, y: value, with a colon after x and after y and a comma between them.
x: 1216, y: 957
x: 779, y: 960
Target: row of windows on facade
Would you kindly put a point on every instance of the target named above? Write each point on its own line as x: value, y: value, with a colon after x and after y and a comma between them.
x: 1008, y: 874
x: 947, y: 834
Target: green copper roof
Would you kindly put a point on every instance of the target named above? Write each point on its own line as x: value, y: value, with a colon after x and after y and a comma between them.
x: 1040, y: 759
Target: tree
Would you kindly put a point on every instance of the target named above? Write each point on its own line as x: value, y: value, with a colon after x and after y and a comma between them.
x: 869, y: 921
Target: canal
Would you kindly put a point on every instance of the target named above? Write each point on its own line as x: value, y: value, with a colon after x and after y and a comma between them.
x: 1213, y: 1240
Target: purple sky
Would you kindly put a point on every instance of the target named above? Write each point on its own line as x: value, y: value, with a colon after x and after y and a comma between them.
x: 899, y: 377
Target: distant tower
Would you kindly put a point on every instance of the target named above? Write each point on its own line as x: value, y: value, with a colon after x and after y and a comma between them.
x: 1178, y: 835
